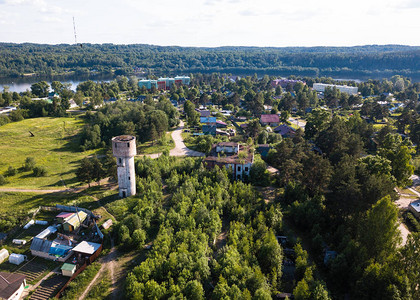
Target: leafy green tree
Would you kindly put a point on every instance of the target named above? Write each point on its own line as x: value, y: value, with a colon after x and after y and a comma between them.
x: 258, y: 174
x: 253, y: 129
x: 57, y: 86
x: 85, y: 171
x: 194, y: 290
x: 379, y: 232
x: 317, y: 121
x: 398, y: 152
x: 98, y: 171
x: 40, y: 89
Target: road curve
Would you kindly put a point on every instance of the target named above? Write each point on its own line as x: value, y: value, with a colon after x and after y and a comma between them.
x: 180, y: 148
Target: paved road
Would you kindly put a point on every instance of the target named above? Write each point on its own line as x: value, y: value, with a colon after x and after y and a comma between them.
x: 180, y: 148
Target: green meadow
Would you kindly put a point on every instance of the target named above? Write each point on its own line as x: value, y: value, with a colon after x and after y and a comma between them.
x: 55, y: 146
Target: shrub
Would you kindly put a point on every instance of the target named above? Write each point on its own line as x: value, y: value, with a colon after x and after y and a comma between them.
x: 2, y: 180
x: 29, y: 164
x: 39, y: 171
x: 11, y: 171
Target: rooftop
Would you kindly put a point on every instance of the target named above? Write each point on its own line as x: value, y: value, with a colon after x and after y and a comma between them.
x: 64, y: 215
x: 68, y: 267
x: 415, y: 205
x: 123, y: 138
x: 87, y: 247
x: 232, y: 159
x: 226, y: 144
x: 271, y: 118
x: 9, y: 284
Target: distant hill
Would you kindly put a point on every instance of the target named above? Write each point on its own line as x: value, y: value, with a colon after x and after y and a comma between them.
x: 370, y: 61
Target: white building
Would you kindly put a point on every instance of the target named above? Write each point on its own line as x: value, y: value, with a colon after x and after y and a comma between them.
x: 351, y: 90
x: 7, y: 109
x: 124, y: 149
x: 233, y: 156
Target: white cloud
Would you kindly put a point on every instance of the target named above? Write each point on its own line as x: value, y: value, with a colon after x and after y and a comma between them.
x: 214, y: 22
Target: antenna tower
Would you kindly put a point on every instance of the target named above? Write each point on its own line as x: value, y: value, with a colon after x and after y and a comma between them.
x: 74, y: 28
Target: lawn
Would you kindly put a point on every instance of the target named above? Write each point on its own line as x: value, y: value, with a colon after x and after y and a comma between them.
x: 158, y: 146
x: 55, y: 146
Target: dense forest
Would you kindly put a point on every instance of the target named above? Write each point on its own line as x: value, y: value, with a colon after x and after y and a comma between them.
x: 360, y: 62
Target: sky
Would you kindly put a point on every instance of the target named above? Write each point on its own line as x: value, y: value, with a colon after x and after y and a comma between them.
x: 212, y: 23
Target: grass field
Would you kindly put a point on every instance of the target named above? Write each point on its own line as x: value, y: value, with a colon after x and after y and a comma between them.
x: 158, y: 146
x: 24, y: 203
x: 54, y: 146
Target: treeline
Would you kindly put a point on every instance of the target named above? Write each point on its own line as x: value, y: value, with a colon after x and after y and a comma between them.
x: 364, y: 61
x: 148, y: 122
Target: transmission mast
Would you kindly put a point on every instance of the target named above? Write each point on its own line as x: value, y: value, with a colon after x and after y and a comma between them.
x: 74, y: 28
x: 75, y: 35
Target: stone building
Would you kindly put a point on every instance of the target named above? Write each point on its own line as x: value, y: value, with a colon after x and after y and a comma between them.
x: 124, y: 149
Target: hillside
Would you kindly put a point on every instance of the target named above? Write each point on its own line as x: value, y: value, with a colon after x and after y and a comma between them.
x: 55, y: 146
x: 373, y: 61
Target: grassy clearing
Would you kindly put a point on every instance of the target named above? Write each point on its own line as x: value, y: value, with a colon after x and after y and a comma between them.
x: 55, y: 146
x: 166, y: 143
x: 24, y: 203
x: 102, y: 287
x: 79, y: 284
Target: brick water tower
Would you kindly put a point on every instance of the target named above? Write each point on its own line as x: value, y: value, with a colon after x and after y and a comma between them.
x: 124, y: 149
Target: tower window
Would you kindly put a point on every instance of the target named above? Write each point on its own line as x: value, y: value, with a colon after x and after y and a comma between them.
x: 119, y: 160
x: 128, y: 145
x: 129, y: 178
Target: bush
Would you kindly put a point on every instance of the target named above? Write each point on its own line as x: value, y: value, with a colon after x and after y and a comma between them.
x: 29, y: 164
x: 2, y: 180
x: 39, y: 171
x: 11, y: 171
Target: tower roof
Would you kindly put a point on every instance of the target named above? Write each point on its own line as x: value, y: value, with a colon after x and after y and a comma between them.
x: 123, y: 138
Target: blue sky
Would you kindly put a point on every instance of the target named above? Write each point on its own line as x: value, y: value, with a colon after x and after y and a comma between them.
x: 212, y: 22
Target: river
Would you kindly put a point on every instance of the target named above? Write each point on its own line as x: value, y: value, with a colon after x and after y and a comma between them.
x: 21, y: 84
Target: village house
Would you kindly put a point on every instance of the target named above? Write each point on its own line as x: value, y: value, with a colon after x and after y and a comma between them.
x: 285, y: 131
x: 238, y: 158
x: 11, y: 285
x: 270, y: 119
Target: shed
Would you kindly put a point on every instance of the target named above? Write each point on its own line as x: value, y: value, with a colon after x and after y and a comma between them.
x: 16, y: 259
x: 18, y: 242
x: 4, y: 254
x: 63, y: 216
x: 68, y: 269
x: 74, y: 221
x: 107, y: 224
